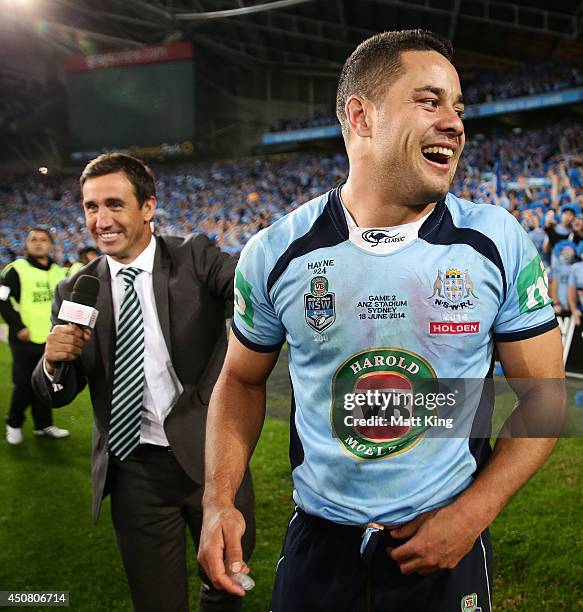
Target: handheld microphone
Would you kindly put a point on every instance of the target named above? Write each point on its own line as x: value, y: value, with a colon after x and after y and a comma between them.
x: 79, y: 310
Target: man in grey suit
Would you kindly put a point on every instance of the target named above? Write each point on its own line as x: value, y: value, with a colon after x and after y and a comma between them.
x: 151, y: 364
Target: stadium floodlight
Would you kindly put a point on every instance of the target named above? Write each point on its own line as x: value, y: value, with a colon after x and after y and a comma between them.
x: 16, y: 4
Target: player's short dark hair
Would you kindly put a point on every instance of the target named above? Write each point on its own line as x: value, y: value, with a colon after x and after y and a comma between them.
x: 139, y: 175
x: 376, y: 63
x: 44, y: 230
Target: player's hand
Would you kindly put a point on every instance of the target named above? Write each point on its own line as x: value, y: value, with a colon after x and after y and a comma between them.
x: 576, y: 314
x: 64, y: 343
x: 23, y: 335
x: 438, y: 540
x: 220, y: 552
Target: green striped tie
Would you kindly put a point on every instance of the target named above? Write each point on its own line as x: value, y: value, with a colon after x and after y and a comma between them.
x: 128, y: 372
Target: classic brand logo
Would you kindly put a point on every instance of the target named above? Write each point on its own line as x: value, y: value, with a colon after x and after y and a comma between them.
x: 453, y: 289
x: 319, y: 305
x: 378, y: 236
x: 394, y: 373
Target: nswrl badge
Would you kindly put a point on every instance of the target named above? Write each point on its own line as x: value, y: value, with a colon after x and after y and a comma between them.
x: 319, y: 305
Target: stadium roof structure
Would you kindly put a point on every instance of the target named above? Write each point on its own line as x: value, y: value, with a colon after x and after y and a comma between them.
x: 311, y: 36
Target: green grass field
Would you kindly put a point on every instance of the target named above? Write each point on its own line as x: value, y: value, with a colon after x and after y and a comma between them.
x: 48, y: 543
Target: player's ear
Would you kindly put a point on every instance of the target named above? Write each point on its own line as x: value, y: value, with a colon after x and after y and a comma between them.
x: 359, y: 115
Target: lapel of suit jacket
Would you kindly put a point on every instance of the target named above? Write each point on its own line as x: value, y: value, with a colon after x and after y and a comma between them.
x: 160, y: 274
x: 105, y: 325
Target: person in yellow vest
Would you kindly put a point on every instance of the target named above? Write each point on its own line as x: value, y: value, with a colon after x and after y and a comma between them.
x: 26, y: 294
x: 86, y: 254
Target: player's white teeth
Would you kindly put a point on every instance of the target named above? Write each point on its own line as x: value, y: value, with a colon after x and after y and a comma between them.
x: 111, y: 235
x: 441, y: 150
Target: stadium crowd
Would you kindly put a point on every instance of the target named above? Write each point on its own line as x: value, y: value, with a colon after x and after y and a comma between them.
x: 231, y: 201
x: 488, y: 86
x: 484, y: 86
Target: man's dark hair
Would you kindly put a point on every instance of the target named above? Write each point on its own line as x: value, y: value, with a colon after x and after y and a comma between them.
x: 44, y: 230
x: 376, y: 63
x: 139, y: 175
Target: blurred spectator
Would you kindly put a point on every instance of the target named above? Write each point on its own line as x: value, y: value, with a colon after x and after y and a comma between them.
x: 536, y: 233
x: 559, y: 231
x: 576, y: 235
x: 560, y: 274
x: 576, y: 291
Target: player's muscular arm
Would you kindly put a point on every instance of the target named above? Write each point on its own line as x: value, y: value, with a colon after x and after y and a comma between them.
x: 534, y: 368
x: 440, y: 539
x: 235, y: 419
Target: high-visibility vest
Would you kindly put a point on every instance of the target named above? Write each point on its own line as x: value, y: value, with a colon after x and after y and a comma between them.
x: 37, y: 288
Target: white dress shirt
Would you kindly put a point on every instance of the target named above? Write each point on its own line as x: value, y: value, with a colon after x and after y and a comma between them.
x: 162, y: 387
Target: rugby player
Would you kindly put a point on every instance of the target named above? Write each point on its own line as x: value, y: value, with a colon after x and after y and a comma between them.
x: 379, y: 284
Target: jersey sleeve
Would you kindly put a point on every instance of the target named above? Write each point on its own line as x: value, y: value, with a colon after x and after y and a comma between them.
x: 255, y: 322
x: 526, y: 310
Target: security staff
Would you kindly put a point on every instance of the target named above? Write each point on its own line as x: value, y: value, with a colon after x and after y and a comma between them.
x: 26, y: 294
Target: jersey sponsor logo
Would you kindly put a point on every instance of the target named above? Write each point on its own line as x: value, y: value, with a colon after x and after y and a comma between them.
x: 391, y: 423
x: 319, y: 286
x: 319, y: 305
x: 450, y: 327
x: 243, y: 303
x: 453, y: 289
x: 533, y: 287
x: 469, y: 603
x: 379, y: 236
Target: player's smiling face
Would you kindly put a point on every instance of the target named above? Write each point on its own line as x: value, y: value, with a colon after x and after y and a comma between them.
x: 418, y: 133
x: 119, y: 226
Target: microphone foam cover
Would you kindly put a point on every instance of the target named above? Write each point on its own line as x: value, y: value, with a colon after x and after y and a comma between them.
x: 85, y: 290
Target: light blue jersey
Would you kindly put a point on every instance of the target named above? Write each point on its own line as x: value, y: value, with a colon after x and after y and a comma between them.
x: 358, y: 320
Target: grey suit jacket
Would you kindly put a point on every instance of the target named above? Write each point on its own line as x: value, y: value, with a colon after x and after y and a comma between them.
x: 192, y: 280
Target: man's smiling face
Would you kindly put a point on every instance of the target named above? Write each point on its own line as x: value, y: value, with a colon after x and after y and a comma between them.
x: 114, y: 218
x: 418, y: 133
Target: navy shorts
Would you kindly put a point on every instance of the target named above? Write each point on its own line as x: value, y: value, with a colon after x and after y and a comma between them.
x: 321, y: 570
